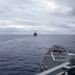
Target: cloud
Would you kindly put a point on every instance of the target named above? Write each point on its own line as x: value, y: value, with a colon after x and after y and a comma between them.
x: 43, y: 16
x: 67, y: 6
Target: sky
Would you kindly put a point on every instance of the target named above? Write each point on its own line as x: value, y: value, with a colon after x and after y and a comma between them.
x: 42, y: 16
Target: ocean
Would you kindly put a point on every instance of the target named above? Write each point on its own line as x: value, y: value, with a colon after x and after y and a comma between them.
x: 22, y: 54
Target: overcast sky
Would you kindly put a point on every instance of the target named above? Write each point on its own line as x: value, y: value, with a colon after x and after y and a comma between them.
x: 43, y: 16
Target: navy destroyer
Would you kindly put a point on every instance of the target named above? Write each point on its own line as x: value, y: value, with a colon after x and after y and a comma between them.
x: 58, y: 61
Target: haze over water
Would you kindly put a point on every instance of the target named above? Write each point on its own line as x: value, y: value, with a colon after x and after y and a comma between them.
x: 22, y: 55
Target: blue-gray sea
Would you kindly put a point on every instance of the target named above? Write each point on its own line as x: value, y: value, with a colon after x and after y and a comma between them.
x: 22, y: 54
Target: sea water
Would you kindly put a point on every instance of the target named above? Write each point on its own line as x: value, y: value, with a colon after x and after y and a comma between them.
x: 22, y: 54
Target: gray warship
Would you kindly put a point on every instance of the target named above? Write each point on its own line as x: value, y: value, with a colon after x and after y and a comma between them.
x: 58, y: 61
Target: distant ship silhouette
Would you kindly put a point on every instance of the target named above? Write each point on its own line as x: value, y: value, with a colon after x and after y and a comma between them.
x: 35, y: 34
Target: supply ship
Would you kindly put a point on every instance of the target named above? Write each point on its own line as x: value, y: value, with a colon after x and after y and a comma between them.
x: 58, y: 61
x: 35, y: 34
